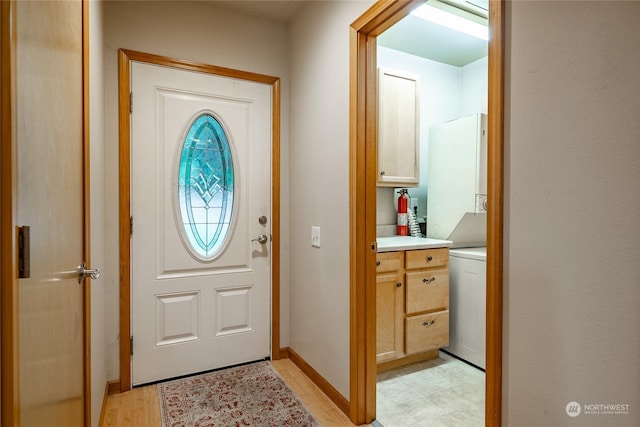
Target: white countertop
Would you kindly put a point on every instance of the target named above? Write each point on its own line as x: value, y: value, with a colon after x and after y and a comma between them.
x: 404, y: 243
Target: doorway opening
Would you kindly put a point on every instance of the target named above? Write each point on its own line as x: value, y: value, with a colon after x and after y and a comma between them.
x: 365, y: 32
x: 429, y: 373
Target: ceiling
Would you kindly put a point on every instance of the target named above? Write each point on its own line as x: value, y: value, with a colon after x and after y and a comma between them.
x: 411, y: 35
x: 429, y: 40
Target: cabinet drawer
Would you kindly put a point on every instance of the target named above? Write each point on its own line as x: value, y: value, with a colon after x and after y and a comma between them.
x: 389, y: 261
x: 427, y: 290
x: 427, y: 258
x: 427, y: 332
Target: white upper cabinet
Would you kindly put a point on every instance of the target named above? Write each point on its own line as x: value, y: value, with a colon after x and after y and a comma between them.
x: 398, y: 128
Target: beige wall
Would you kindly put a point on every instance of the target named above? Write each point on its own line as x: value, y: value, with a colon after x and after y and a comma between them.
x: 319, y: 162
x: 199, y: 32
x: 572, y: 244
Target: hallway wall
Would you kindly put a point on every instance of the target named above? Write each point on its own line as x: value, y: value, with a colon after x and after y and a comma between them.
x: 572, y: 197
x: 319, y: 162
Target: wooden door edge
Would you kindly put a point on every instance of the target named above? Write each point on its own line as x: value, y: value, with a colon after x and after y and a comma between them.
x: 86, y: 212
x: 9, y: 373
x: 125, y: 57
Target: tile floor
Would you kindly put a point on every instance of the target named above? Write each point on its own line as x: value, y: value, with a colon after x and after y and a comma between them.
x: 435, y: 393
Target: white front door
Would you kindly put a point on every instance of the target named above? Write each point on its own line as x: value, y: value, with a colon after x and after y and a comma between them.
x: 200, y: 200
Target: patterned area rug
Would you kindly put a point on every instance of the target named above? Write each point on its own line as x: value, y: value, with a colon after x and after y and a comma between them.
x: 248, y: 395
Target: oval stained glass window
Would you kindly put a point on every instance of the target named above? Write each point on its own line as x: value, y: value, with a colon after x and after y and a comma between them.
x: 205, y: 187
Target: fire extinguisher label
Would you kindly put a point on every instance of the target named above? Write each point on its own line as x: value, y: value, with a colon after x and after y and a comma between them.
x: 402, y: 218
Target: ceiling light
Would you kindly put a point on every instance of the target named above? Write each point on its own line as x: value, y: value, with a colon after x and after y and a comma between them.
x: 455, y: 22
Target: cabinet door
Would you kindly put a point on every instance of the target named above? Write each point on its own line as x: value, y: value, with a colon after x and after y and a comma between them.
x: 389, y: 317
x: 398, y: 129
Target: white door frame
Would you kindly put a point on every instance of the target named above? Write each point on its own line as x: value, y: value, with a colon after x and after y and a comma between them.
x: 124, y: 88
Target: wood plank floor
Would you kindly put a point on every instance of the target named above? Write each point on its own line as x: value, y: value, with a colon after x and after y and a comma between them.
x: 140, y: 407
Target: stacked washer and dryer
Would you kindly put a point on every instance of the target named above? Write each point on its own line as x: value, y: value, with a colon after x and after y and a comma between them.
x: 457, y: 211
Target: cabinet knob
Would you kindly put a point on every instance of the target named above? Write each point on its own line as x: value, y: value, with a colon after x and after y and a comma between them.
x: 398, y: 284
x: 425, y: 280
x: 377, y: 263
x: 427, y: 324
x: 382, y: 172
x: 429, y: 258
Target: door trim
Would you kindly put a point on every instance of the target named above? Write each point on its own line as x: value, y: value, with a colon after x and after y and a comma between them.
x: 9, y: 367
x: 362, y: 171
x: 86, y: 211
x: 124, y: 119
x: 8, y: 247
x: 495, y: 214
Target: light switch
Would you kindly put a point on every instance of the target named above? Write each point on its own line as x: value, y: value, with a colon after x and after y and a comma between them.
x: 315, y: 236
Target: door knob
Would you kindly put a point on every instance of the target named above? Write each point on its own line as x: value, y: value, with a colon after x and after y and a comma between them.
x: 262, y: 239
x: 83, y: 272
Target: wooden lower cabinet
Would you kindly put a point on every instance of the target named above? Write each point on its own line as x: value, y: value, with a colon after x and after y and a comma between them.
x: 412, y: 305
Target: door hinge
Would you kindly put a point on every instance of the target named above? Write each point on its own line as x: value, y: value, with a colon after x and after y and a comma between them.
x: 131, y: 345
x: 131, y: 102
x: 130, y: 226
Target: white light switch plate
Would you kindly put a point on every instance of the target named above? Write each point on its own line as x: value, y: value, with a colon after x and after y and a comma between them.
x: 315, y: 236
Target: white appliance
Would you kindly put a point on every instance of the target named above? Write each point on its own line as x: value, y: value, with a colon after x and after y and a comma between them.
x: 467, y: 304
x: 457, y: 181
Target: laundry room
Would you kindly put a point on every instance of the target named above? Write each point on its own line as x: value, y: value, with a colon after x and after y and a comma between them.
x: 431, y: 216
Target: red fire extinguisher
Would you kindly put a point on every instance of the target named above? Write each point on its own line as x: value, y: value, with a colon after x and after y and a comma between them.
x: 403, y: 202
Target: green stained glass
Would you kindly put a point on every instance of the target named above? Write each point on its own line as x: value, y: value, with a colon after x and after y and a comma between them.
x: 205, y: 187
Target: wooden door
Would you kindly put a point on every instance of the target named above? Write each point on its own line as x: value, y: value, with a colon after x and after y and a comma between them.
x: 46, y: 199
